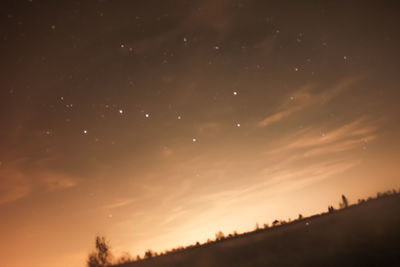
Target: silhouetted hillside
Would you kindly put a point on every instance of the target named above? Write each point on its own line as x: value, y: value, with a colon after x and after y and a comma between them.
x: 367, y: 234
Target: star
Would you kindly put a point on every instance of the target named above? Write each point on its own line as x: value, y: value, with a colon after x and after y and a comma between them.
x: 147, y: 115
x: 194, y: 140
x: 235, y: 93
x: 237, y: 124
x: 121, y: 111
x: 179, y: 117
x: 85, y: 131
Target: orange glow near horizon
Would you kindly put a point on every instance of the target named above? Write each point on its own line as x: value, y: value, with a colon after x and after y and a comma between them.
x: 158, y: 126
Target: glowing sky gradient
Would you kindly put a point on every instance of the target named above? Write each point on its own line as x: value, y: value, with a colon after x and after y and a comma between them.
x: 159, y: 123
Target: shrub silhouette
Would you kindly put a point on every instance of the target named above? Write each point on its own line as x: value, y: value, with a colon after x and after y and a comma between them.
x: 126, y: 257
x: 274, y: 223
x: 102, y: 256
x: 331, y: 209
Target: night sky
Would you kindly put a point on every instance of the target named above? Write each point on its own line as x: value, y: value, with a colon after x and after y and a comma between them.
x: 159, y: 123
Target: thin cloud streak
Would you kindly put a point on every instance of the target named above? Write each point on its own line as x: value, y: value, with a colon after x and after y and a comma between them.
x: 342, y: 138
x: 118, y: 204
x: 304, y: 98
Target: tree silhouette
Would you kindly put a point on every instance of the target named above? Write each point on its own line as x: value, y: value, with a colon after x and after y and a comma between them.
x: 102, y: 256
x: 331, y: 209
x: 148, y: 254
x: 345, y: 202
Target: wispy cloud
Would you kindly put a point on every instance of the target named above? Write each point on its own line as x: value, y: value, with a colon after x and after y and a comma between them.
x: 118, y: 204
x: 278, y: 116
x: 287, y: 167
x: 173, y: 215
x: 208, y: 129
x: 55, y: 182
x: 17, y: 183
x: 340, y: 147
x: 280, y: 180
x: 305, y: 98
x: 312, y: 142
x: 13, y: 186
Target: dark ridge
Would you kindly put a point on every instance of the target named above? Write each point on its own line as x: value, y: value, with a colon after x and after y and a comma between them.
x: 364, y: 234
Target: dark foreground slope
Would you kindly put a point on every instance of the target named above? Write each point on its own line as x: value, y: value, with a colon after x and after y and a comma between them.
x: 364, y: 235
